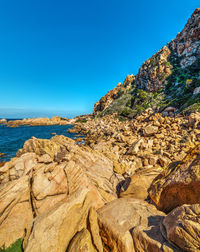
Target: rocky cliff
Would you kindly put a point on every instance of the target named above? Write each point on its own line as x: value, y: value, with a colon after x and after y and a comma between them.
x: 112, y: 95
x: 171, y: 77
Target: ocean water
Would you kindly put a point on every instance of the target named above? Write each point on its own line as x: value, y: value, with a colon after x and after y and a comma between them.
x: 12, y: 139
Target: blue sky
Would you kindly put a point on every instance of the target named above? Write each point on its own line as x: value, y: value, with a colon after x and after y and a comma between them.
x: 60, y: 57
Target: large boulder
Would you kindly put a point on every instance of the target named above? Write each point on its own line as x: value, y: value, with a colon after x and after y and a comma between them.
x: 54, y: 230
x: 42, y: 176
x: 182, y: 227
x: 178, y: 184
x: 16, y: 213
x: 136, y: 186
x: 82, y: 242
x: 17, y: 167
x: 125, y: 224
x: 56, y: 147
x: 150, y: 130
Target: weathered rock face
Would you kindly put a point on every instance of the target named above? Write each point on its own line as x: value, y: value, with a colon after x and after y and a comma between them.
x: 154, y: 71
x: 178, y: 184
x: 137, y: 186
x: 61, y: 223
x: 185, y: 48
x: 121, y: 217
x: 82, y: 241
x: 173, y: 73
x: 182, y: 227
x: 46, y: 175
x: 187, y: 42
x: 16, y: 213
x: 106, y: 100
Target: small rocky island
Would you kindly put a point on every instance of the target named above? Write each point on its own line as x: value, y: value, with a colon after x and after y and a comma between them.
x: 56, y: 120
x: 134, y: 185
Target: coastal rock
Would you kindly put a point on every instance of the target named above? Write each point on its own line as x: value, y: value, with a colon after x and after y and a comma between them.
x: 45, y: 159
x: 120, y: 217
x: 49, y: 229
x: 136, y: 186
x: 17, y: 167
x: 82, y: 241
x: 3, y: 121
x: 49, y: 186
x: 16, y: 214
x: 134, y: 149
x: 148, y: 236
x: 49, y: 182
x: 56, y: 120
x: 54, y: 147
x: 194, y: 119
x: 178, y: 184
x: 182, y: 227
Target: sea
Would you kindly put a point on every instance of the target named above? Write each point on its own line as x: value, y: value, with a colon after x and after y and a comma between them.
x: 12, y: 139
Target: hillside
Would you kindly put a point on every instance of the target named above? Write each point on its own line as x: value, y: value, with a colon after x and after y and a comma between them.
x: 171, y: 77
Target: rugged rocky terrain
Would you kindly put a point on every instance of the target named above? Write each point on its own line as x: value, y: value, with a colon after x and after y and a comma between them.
x: 171, y: 77
x: 110, y: 193
x: 133, y: 185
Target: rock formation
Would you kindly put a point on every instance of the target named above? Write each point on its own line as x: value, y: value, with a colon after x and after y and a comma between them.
x: 57, y: 195
x: 52, y: 174
x: 106, y: 100
x: 169, y: 77
x: 178, y: 184
x: 56, y: 120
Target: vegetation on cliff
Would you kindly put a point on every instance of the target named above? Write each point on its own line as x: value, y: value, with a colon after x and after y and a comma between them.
x: 171, y: 77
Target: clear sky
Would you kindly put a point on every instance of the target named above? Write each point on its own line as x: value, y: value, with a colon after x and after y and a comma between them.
x: 61, y: 56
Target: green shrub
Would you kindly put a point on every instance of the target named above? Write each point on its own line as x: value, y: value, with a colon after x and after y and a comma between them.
x: 167, y: 63
x: 120, y: 93
x: 193, y: 108
x: 81, y: 121
x: 15, y: 247
x: 122, y: 119
x: 126, y: 111
x: 153, y: 61
x: 161, y: 76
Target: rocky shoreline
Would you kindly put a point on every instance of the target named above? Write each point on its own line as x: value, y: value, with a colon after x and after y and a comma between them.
x: 41, y: 121
x: 133, y: 184
x: 125, y: 189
